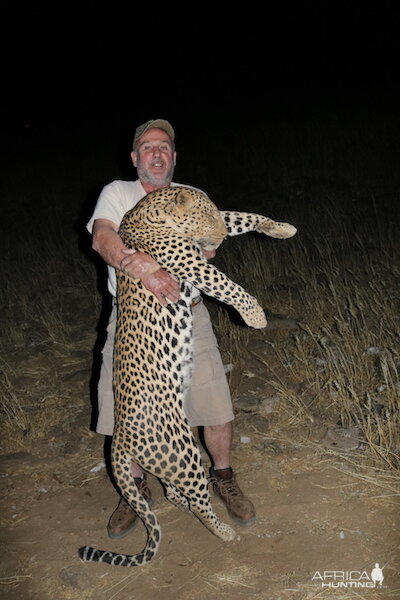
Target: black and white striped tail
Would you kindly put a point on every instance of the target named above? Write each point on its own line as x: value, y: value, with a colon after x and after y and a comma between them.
x: 89, y: 554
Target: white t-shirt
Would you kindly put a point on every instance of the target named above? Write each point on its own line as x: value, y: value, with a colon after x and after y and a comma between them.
x: 114, y: 201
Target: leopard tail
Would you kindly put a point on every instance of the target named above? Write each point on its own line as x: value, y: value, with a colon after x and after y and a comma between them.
x: 90, y: 554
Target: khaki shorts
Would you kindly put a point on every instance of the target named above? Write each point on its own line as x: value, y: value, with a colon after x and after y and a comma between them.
x: 208, y: 400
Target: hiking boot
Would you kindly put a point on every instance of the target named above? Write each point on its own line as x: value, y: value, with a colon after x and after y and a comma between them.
x: 239, y: 506
x: 124, y: 519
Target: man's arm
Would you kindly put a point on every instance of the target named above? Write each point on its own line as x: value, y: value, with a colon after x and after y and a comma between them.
x: 139, y: 265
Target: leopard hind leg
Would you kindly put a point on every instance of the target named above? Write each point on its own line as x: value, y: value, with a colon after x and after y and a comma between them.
x: 126, y: 483
x: 203, y: 511
x: 200, y: 506
x: 175, y: 496
x: 193, y: 493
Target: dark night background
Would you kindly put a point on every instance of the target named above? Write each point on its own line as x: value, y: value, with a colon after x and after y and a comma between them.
x: 237, y: 80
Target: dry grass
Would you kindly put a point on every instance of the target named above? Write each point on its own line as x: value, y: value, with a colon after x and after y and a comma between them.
x: 42, y: 272
x: 340, y: 284
x: 48, y: 301
x: 10, y: 405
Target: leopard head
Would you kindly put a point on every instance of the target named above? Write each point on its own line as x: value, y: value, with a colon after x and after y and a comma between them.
x: 192, y: 214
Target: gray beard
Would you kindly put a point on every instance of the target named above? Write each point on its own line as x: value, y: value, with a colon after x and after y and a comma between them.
x: 161, y: 181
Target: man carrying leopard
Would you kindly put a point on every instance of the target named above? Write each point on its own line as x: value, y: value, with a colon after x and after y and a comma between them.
x: 208, y: 402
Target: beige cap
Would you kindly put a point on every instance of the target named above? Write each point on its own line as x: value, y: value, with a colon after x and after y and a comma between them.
x: 157, y: 124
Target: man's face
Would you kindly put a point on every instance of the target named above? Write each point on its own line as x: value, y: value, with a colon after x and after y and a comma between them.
x: 154, y: 158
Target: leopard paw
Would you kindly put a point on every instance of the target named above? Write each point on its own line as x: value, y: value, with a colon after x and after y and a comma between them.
x: 226, y: 533
x: 255, y: 316
x: 277, y: 230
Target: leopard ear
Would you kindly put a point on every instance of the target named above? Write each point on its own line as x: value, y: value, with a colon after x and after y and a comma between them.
x: 183, y: 199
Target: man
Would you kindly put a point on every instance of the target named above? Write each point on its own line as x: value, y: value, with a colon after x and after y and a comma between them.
x: 208, y: 401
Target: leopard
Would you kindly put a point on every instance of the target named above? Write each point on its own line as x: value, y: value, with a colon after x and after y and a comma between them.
x: 153, y: 354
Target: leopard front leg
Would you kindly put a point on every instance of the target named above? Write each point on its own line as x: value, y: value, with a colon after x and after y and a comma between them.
x: 207, y: 278
x: 248, y: 307
x: 191, y: 266
x: 241, y: 222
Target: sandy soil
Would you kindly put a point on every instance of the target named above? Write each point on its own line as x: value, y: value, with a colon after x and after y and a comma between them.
x: 319, y: 507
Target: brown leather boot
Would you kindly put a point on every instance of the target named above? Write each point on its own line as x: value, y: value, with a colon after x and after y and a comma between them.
x: 124, y: 519
x: 239, y: 506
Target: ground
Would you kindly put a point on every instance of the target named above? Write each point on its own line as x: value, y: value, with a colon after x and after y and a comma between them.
x: 320, y: 507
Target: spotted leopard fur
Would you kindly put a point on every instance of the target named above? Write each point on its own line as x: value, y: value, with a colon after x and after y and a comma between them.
x: 153, y: 351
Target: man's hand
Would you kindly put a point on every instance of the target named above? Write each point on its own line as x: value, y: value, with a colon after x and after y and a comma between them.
x: 159, y: 282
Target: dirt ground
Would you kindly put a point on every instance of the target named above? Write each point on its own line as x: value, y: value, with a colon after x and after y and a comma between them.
x: 320, y: 510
